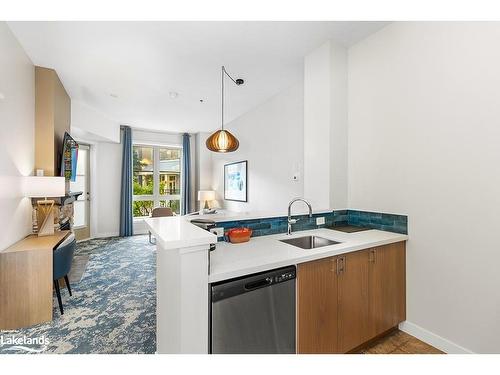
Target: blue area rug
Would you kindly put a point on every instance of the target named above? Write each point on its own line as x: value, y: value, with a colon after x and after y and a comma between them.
x: 112, y: 310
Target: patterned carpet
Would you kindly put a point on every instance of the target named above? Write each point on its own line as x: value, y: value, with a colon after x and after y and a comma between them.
x: 113, y: 307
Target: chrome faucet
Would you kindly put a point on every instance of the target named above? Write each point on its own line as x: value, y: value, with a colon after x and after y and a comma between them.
x: 293, y: 221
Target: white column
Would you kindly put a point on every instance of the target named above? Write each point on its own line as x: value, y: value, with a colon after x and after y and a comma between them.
x: 338, y: 126
x: 325, y: 126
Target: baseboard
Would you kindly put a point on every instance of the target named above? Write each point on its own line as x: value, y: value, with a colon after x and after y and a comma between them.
x: 108, y: 234
x: 432, y: 339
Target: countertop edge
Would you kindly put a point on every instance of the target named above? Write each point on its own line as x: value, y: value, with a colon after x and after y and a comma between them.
x: 206, y: 238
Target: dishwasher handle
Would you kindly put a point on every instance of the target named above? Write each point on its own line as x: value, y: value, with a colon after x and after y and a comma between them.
x: 258, y: 283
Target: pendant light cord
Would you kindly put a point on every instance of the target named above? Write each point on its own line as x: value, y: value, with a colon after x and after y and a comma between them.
x: 222, y: 83
x: 222, y: 80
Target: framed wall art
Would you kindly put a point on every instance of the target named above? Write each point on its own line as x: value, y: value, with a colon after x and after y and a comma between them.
x: 235, y: 181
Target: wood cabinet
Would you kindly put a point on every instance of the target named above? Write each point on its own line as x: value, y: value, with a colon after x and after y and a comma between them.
x: 352, y: 300
x: 387, y: 281
x: 317, y: 307
x: 345, y: 301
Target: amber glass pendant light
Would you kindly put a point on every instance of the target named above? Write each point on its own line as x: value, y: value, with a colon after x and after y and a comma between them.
x: 222, y: 140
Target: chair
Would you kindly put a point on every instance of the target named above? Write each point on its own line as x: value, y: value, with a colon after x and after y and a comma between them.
x: 160, y: 212
x: 62, y: 258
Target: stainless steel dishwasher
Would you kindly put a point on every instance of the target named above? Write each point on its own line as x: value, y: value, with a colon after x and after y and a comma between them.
x: 255, y: 313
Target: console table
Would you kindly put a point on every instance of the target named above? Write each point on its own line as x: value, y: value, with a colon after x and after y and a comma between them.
x: 26, y: 281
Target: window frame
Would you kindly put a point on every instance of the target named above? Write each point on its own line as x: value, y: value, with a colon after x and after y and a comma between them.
x: 156, y: 197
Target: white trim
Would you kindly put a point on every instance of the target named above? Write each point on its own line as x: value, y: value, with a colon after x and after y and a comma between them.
x: 107, y: 234
x: 432, y: 339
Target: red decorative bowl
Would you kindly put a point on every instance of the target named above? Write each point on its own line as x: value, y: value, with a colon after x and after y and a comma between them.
x: 238, y: 235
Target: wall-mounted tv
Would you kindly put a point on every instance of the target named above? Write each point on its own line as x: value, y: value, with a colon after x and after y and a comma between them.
x: 69, y: 157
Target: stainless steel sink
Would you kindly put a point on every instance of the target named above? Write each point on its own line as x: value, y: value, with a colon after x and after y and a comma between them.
x: 309, y: 242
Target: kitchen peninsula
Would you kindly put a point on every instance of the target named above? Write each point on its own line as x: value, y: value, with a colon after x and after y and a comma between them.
x: 186, y: 268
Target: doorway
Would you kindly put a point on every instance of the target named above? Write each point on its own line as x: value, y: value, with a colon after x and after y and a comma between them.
x: 81, y: 207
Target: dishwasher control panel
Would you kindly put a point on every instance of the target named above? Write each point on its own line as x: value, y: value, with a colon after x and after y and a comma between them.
x: 245, y: 284
x: 285, y: 276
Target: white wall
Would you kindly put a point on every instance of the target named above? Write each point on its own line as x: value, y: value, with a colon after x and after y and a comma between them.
x: 156, y: 138
x: 203, y: 165
x: 106, y: 179
x: 271, y: 139
x: 17, y: 126
x: 317, y: 102
x: 325, y: 126
x: 103, y: 135
x: 90, y: 123
x: 424, y: 139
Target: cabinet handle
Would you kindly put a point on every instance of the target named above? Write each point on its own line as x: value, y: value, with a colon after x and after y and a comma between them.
x: 373, y: 255
x: 343, y: 264
x: 340, y: 265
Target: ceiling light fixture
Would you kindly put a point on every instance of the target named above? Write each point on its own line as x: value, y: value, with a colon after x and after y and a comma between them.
x: 222, y: 140
x: 173, y: 94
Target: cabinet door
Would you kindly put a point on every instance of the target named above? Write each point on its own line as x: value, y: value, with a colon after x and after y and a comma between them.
x: 387, y: 287
x: 317, y: 307
x: 353, y: 300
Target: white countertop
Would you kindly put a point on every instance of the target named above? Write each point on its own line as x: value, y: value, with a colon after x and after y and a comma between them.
x: 267, y: 252
x: 176, y: 232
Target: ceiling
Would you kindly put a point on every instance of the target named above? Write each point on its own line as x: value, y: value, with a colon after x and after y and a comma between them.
x: 127, y: 70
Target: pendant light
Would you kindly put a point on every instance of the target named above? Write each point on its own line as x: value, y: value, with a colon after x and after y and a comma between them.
x: 222, y: 140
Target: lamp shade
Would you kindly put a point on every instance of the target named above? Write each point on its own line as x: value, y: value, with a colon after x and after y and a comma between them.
x: 206, y: 195
x: 42, y: 187
x: 222, y: 141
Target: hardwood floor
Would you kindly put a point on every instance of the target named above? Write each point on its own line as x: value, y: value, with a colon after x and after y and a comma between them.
x: 399, y: 342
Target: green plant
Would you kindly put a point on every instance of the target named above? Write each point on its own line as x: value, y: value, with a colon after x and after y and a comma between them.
x: 142, y: 208
x: 143, y: 189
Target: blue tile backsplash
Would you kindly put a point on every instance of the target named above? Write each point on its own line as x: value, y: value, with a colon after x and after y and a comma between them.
x: 378, y: 220
x: 275, y: 225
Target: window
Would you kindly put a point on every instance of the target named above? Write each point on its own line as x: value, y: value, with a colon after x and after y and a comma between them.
x: 156, y: 179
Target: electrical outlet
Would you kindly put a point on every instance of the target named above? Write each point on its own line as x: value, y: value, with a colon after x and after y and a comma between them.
x: 219, y: 232
x: 320, y: 220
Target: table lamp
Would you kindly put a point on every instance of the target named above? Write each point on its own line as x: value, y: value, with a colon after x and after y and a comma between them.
x: 43, y: 187
x: 204, y: 196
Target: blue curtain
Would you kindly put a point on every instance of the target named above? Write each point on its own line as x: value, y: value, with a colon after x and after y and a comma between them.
x: 186, y: 172
x: 126, y: 219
